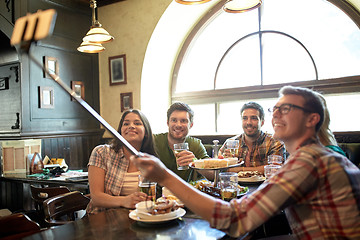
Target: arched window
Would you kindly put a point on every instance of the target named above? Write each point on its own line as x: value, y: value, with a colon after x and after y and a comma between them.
x: 229, y: 59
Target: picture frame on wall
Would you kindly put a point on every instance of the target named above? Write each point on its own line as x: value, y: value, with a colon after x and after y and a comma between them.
x: 117, y: 70
x: 46, y: 97
x: 126, y: 101
x: 79, y: 88
x: 52, y: 64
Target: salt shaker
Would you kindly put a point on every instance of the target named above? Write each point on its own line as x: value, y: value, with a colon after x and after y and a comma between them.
x: 215, y: 150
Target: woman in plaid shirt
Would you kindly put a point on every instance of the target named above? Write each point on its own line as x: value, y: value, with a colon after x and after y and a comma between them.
x: 113, y: 179
x: 318, y: 188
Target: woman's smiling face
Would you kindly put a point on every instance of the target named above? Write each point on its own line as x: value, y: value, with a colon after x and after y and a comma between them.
x: 133, y: 129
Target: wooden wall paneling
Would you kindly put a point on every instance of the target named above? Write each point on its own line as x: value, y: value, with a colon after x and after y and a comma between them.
x: 67, y: 149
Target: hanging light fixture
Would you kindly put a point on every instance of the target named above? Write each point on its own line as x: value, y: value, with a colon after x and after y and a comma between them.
x: 88, y: 47
x: 95, y: 36
x: 239, y: 6
x: 190, y: 2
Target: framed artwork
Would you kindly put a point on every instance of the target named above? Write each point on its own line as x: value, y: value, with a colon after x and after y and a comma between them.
x: 4, y: 83
x: 117, y: 70
x: 52, y: 64
x: 126, y: 101
x: 46, y: 97
x: 78, y: 88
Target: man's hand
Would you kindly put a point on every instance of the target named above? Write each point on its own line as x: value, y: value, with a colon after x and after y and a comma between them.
x: 184, y: 158
x: 150, y: 167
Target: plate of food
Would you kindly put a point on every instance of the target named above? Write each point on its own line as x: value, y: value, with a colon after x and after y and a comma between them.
x: 160, y: 211
x: 250, y: 177
x: 207, y: 187
x: 214, y: 163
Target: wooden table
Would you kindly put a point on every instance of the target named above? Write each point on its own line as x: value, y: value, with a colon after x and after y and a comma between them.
x: 116, y: 224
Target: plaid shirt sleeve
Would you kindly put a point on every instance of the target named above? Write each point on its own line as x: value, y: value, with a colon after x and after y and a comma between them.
x: 313, y: 186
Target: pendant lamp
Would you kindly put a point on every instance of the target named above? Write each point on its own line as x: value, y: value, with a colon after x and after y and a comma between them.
x: 96, y: 36
x: 239, y: 6
x: 88, y: 47
x: 191, y: 2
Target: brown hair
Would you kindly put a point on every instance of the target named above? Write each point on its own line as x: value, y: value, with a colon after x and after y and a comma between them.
x: 148, y: 145
x: 313, y: 102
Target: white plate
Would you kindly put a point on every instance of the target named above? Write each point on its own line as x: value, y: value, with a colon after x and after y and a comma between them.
x: 158, y: 218
x: 253, y: 179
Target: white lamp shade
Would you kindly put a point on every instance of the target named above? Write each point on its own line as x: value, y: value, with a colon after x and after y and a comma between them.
x: 238, y: 6
x: 88, y: 47
x: 190, y: 2
x: 98, y: 35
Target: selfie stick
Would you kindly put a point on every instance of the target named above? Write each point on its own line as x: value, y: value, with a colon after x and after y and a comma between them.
x: 33, y: 27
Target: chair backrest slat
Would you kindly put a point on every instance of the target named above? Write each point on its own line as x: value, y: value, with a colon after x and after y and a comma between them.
x: 64, y: 205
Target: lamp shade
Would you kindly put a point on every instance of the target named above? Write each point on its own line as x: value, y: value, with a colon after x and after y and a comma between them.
x: 88, y: 47
x: 97, y: 34
x: 190, y: 2
x: 239, y: 6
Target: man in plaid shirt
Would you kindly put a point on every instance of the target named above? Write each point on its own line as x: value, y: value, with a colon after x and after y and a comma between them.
x: 318, y: 188
x: 254, y: 145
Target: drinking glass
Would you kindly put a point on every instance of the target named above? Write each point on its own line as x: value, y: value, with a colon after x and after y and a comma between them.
x: 275, y: 160
x: 179, y: 147
x: 228, y: 185
x: 233, y: 146
x: 270, y: 170
x: 147, y: 187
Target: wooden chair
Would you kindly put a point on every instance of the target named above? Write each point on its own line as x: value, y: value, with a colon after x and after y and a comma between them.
x: 61, y: 209
x: 39, y: 195
x: 17, y: 226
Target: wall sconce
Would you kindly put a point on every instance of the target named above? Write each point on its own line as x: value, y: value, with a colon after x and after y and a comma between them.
x: 95, y: 36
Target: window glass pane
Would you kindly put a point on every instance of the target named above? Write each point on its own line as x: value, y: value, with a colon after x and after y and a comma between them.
x: 229, y: 118
x: 241, y: 66
x: 327, y: 32
x: 204, y: 119
x: 285, y: 60
x: 344, y: 112
x: 197, y: 70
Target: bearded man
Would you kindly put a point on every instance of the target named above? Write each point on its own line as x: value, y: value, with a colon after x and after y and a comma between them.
x: 255, y: 145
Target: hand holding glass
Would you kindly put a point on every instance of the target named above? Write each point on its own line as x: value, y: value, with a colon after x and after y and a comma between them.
x: 179, y: 147
x: 233, y: 146
x: 228, y: 185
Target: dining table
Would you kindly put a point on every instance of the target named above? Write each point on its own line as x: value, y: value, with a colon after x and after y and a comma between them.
x: 116, y: 223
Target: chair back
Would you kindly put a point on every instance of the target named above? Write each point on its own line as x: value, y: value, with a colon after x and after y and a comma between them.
x: 39, y: 194
x: 17, y: 226
x: 61, y: 209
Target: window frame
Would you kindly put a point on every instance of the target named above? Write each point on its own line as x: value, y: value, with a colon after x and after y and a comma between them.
x: 347, y: 84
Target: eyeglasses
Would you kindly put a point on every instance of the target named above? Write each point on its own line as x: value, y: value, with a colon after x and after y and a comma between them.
x: 285, y: 108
